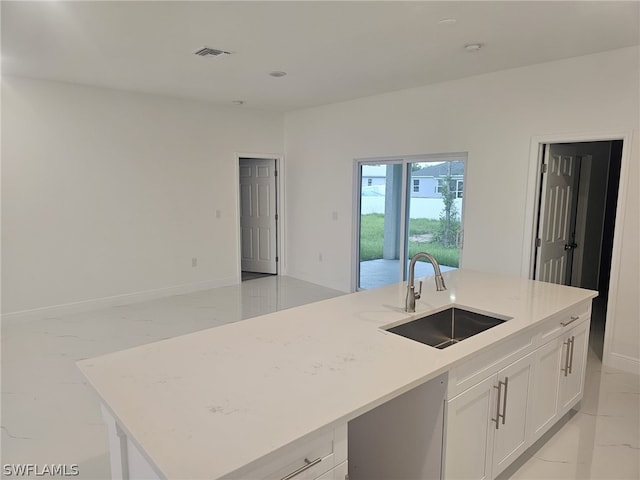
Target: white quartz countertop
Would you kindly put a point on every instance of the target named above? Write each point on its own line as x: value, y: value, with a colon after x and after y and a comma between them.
x: 209, y: 403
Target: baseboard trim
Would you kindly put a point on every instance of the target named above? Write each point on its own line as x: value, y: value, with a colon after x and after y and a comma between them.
x: 622, y: 362
x: 105, y: 302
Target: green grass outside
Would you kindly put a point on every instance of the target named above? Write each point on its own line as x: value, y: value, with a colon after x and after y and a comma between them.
x: 372, y: 233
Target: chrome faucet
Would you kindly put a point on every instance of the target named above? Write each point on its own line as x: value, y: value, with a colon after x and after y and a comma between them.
x: 412, y: 295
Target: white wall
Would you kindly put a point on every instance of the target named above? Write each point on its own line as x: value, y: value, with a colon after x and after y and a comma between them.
x: 106, y: 193
x: 493, y: 117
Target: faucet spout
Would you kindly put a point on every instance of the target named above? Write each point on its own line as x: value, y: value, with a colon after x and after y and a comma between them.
x: 412, y: 295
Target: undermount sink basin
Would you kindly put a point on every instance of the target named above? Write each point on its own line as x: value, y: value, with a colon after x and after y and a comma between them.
x: 444, y: 328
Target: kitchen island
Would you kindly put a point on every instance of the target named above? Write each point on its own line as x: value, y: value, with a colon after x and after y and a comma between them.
x: 269, y: 396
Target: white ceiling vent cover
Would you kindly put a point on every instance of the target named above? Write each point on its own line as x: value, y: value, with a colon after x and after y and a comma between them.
x: 211, y: 52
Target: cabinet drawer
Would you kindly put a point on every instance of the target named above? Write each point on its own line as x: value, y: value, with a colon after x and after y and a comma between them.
x: 304, y: 460
x: 488, y: 362
x: 554, y: 327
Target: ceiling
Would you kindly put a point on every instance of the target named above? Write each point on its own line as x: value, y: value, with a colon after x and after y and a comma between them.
x: 331, y: 50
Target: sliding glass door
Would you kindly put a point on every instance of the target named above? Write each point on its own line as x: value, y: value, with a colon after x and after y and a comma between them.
x: 434, y: 213
x: 407, y: 206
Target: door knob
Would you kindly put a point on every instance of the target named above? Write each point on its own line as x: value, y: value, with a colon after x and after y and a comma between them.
x: 570, y: 246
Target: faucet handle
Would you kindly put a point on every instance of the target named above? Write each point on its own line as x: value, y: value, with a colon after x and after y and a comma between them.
x: 417, y: 295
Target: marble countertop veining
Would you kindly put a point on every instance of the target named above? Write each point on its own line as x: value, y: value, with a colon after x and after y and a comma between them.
x: 209, y: 403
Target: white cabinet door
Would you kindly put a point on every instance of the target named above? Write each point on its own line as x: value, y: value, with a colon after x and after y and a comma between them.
x: 546, y: 387
x: 470, y: 432
x: 488, y: 424
x: 559, y: 377
x: 337, y: 473
x: 515, y: 384
x: 572, y: 383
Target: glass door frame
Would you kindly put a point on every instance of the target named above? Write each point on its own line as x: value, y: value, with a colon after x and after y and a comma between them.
x: 405, y: 161
x: 355, y: 244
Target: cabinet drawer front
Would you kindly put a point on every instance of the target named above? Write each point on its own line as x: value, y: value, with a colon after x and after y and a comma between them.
x: 488, y: 363
x: 553, y: 328
x: 304, y: 460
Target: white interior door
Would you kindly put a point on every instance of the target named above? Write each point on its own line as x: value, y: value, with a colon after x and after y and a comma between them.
x: 556, y: 210
x: 258, y: 215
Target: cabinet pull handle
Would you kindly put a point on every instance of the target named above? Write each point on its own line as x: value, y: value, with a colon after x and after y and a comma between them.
x: 570, y: 366
x: 504, y: 400
x: 499, y: 401
x: 565, y: 369
x: 308, y: 464
x: 573, y: 319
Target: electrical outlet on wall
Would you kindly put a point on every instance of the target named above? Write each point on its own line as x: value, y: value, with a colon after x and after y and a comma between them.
x: 218, y: 213
x: 320, y: 256
x: 194, y: 262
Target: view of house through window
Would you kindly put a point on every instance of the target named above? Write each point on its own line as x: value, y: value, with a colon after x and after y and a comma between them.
x: 408, y: 207
x: 435, y: 212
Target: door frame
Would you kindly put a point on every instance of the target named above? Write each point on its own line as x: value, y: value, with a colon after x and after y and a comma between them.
x: 280, y: 199
x: 357, y: 193
x: 532, y: 211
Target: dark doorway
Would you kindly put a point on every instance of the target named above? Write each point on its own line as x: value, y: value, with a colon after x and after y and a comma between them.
x: 582, y: 257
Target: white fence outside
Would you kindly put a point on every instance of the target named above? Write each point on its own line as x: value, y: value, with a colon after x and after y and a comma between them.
x: 420, y: 207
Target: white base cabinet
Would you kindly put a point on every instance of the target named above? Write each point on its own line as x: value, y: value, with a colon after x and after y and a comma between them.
x: 487, y: 424
x: 546, y: 387
x: 521, y: 389
x: 469, y: 444
x: 559, y: 377
x: 572, y: 378
x: 515, y: 384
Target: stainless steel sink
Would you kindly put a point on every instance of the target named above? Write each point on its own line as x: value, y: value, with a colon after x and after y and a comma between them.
x: 446, y: 327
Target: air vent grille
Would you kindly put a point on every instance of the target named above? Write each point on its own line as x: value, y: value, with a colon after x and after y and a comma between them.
x: 211, y: 52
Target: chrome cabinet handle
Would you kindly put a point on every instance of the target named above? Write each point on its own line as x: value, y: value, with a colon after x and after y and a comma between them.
x: 497, y: 419
x: 573, y: 319
x: 308, y: 464
x: 504, y: 400
x: 570, y: 366
x: 565, y: 369
x: 499, y: 401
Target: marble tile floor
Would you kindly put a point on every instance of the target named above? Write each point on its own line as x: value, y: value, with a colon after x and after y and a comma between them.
x: 49, y: 414
x: 599, y: 440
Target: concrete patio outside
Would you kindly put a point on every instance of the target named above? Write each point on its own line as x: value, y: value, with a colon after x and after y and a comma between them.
x: 380, y: 272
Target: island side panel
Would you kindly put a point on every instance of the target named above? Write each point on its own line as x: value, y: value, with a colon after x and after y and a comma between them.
x: 402, y: 438
x: 126, y: 461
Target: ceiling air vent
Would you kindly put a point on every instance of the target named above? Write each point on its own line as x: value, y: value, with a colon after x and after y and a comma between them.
x: 211, y: 52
